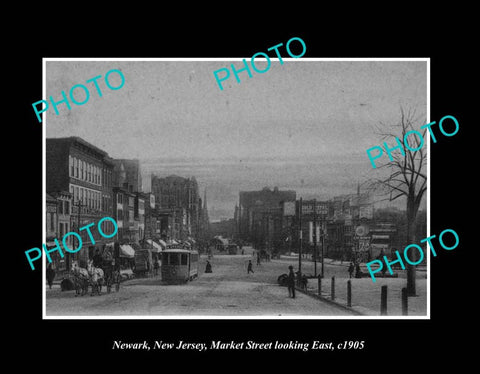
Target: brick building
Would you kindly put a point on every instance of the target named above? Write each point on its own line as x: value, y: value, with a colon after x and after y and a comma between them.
x: 85, y: 171
x: 64, y: 203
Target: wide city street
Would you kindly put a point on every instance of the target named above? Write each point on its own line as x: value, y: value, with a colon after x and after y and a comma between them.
x: 227, y: 291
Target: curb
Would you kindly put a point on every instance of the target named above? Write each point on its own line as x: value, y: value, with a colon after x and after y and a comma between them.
x: 335, y: 303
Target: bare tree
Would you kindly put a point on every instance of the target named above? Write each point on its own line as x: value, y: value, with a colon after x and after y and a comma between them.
x: 406, y: 175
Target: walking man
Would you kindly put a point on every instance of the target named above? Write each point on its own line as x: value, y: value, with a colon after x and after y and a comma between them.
x: 351, y: 269
x: 50, y: 275
x: 250, y: 267
x: 156, y: 265
x: 291, y: 282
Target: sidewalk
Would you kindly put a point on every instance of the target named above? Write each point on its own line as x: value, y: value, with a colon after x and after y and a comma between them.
x: 365, y: 293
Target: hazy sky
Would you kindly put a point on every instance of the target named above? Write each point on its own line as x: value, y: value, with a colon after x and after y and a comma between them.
x: 303, y: 125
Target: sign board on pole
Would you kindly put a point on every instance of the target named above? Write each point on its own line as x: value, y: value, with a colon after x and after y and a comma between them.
x: 289, y: 208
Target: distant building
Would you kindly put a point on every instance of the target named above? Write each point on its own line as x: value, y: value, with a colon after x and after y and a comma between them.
x: 141, y: 200
x: 128, y: 171
x: 260, y: 216
x: 151, y: 218
x: 224, y: 228
x: 179, y: 197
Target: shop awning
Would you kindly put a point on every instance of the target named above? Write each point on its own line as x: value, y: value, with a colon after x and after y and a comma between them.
x: 162, y: 243
x: 154, y: 246
x: 127, y: 251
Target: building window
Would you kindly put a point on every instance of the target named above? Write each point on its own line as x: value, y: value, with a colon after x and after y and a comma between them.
x: 82, y: 165
x: 70, y: 164
x: 77, y: 195
x: 60, y: 207
x: 67, y: 207
x: 76, y: 167
x: 69, y: 238
x: 52, y: 221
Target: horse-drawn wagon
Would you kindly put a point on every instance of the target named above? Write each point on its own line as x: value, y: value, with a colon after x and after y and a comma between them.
x: 106, y: 272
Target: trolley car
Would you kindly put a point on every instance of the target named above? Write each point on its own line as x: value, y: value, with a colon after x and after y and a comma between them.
x: 179, y: 265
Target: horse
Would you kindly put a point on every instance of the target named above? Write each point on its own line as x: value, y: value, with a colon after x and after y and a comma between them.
x: 96, y: 277
x: 80, y: 279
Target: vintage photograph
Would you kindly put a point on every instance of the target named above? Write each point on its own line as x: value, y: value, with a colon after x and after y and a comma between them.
x: 167, y: 197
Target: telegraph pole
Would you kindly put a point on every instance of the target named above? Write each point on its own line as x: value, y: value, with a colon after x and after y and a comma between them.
x: 323, y: 245
x: 80, y: 206
x: 315, y: 235
x: 301, y: 239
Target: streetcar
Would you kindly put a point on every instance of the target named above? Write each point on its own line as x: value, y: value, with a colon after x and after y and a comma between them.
x: 179, y: 265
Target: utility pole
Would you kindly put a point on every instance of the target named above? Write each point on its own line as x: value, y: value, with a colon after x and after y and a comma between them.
x: 323, y: 245
x: 301, y: 239
x: 80, y: 206
x: 315, y: 235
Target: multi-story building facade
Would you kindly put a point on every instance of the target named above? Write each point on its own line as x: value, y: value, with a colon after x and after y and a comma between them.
x: 124, y: 214
x: 141, y: 200
x: 83, y: 170
x: 259, y: 216
x: 64, y: 203
x: 179, y: 197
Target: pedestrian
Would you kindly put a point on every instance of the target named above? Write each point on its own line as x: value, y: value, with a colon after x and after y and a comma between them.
x: 208, y: 267
x: 258, y: 258
x: 156, y: 265
x: 97, y: 259
x: 351, y: 268
x: 291, y: 282
x: 250, y: 267
x: 50, y: 275
x: 358, y: 271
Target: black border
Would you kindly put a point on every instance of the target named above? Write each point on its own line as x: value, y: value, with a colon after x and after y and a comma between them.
x: 443, y: 333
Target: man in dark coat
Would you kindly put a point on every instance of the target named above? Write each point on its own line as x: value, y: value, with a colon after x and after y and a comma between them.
x: 97, y: 259
x: 50, y: 275
x: 250, y: 267
x: 291, y: 282
x: 351, y: 268
x: 208, y: 267
x: 358, y: 271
